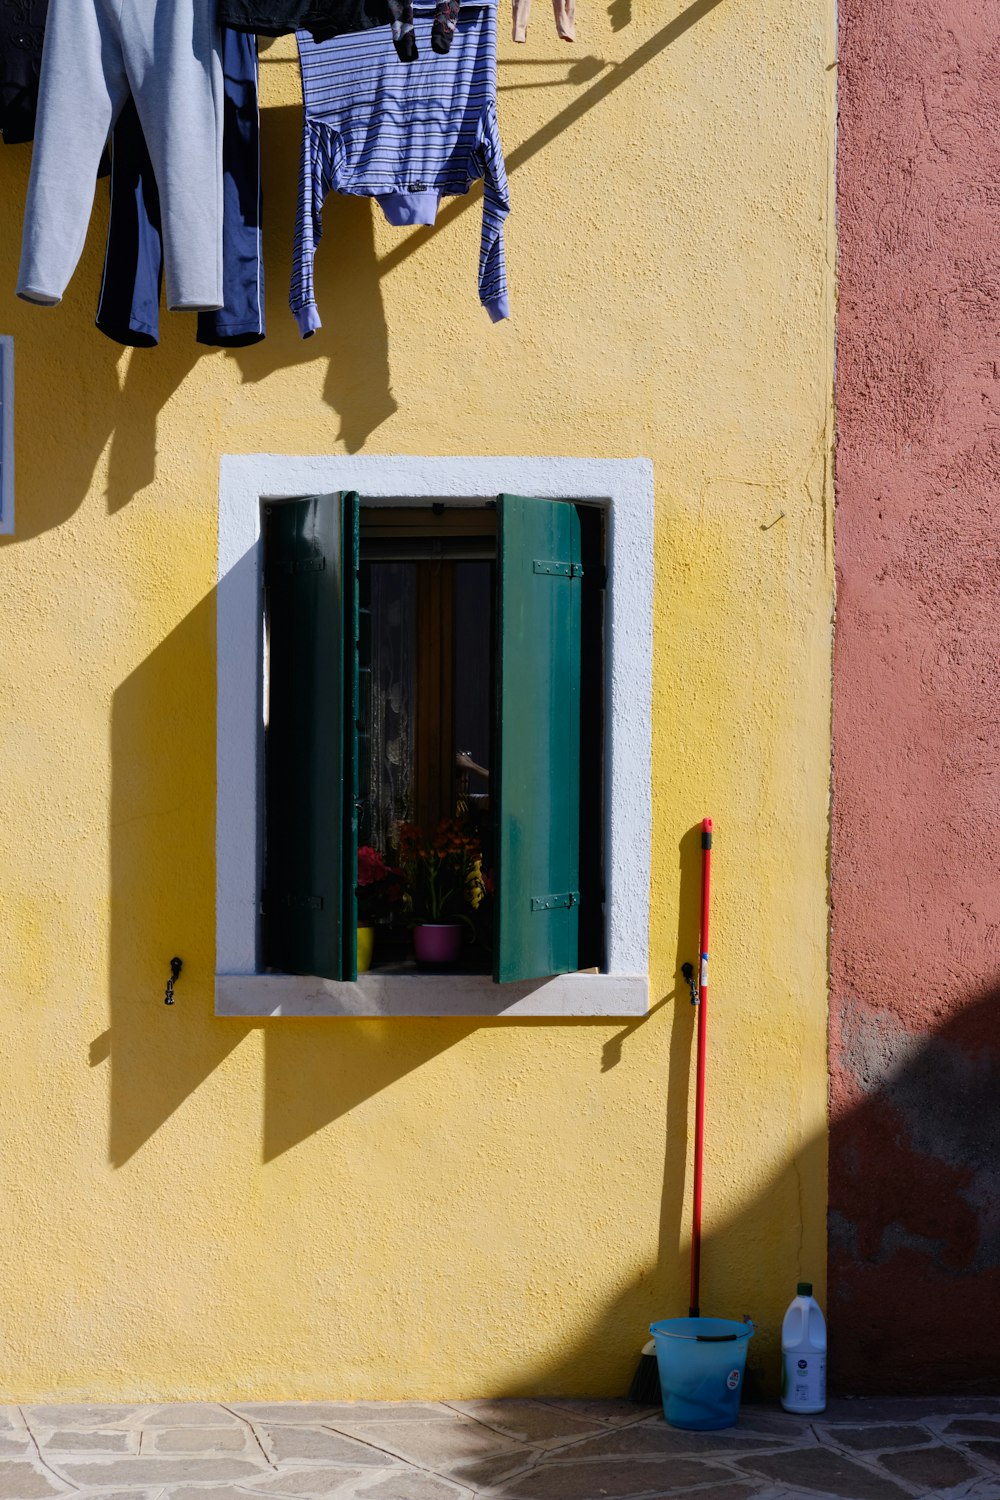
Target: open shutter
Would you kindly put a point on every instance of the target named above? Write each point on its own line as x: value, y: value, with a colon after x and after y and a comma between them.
x: 310, y: 583
x: 538, y: 738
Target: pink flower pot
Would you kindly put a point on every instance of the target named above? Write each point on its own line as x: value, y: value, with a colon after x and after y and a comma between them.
x: 437, y: 942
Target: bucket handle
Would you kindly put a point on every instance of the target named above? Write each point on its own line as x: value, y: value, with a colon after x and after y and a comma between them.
x: 715, y: 1338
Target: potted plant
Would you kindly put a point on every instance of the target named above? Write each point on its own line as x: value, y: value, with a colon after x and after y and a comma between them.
x: 444, y: 881
x: 380, y: 889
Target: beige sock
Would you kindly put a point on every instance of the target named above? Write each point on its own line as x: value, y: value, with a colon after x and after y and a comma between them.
x: 565, y: 14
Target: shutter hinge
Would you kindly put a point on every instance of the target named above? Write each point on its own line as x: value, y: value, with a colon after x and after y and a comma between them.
x: 557, y: 569
x: 565, y: 899
x: 272, y: 900
x: 285, y: 567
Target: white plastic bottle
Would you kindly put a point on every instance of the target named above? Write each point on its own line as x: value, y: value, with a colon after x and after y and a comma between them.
x: 803, y: 1354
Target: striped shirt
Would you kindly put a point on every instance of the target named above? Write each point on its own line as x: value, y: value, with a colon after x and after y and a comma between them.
x: 404, y: 133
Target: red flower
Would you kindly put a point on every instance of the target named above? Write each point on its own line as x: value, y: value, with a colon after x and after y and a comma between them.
x: 371, y: 866
x: 380, y: 887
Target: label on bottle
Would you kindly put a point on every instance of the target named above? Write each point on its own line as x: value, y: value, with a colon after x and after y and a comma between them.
x: 804, y: 1381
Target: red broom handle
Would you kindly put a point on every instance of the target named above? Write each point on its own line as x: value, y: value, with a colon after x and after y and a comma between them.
x: 699, y: 1103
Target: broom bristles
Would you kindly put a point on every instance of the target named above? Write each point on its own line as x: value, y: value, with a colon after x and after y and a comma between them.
x: 645, y: 1387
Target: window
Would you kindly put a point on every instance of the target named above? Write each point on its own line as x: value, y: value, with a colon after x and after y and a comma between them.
x: 488, y: 618
x: 421, y: 536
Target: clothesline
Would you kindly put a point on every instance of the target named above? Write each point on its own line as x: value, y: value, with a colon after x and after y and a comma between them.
x: 406, y: 124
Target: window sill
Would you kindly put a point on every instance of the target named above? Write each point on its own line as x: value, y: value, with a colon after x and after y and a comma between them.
x: 392, y: 995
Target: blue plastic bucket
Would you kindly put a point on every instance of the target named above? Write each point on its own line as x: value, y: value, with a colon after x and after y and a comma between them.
x: 701, y: 1363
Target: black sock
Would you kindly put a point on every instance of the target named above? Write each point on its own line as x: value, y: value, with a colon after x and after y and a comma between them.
x: 443, y: 29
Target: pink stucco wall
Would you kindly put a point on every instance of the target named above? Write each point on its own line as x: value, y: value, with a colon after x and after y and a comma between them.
x: 915, y: 1015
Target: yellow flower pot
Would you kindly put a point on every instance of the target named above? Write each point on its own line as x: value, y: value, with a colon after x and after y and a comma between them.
x: 366, y: 944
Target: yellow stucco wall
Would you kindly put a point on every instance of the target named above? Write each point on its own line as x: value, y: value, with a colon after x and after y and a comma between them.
x: 197, y: 1207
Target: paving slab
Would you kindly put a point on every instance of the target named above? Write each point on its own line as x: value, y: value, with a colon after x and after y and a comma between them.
x: 649, y: 1440
x: 15, y: 1442
x: 81, y: 1416
x: 530, y: 1421
x: 437, y: 1445
x: 484, y: 1475
x: 70, y: 1440
x: 879, y: 1435
x: 936, y: 1468
x: 214, y: 1440
x: 759, y: 1420
x: 288, y: 1444
x: 23, y: 1481
x: 815, y: 1469
x: 975, y: 1427
x: 159, y: 1471
x: 313, y: 1482
x: 990, y: 1452
x: 196, y: 1492
x: 639, y: 1477
x: 296, y: 1413
x: 598, y: 1409
x: 137, y: 1494
x: 412, y: 1486
x: 190, y: 1414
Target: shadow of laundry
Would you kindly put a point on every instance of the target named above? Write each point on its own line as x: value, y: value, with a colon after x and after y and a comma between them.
x: 582, y: 71
x: 620, y: 12
x: 620, y: 74
x: 354, y: 339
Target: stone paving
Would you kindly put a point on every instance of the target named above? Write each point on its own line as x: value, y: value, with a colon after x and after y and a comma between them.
x: 496, y: 1450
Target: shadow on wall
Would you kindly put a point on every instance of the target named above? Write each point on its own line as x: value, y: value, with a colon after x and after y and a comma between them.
x: 353, y: 343
x: 620, y: 12
x: 163, y: 900
x: 162, y: 867
x: 306, y: 1087
x: 162, y: 885
x: 917, y: 1279
x: 109, y: 396
x: 619, y: 74
x: 354, y: 339
x: 930, y: 1111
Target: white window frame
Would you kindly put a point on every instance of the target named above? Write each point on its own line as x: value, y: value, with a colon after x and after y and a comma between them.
x: 625, y: 488
x: 6, y: 434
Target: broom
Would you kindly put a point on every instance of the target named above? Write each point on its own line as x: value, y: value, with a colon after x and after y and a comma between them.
x: 645, y: 1387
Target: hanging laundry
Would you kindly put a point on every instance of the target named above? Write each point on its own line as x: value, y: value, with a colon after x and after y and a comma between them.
x: 281, y: 17
x: 405, y: 136
x: 129, y: 306
x: 167, y: 53
x: 22, y: 31
x: 565, y: 14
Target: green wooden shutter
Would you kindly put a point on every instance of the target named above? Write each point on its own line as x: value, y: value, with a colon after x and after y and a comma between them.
x: 538, y: 738
x: 351, y: 533
x: 310, y: 583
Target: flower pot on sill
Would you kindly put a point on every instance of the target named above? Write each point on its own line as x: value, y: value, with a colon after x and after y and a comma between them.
x: 366, y: 945
x: 437, y: 942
